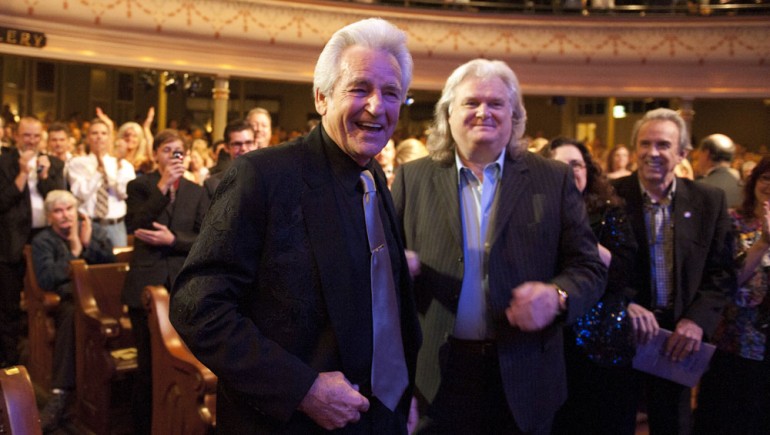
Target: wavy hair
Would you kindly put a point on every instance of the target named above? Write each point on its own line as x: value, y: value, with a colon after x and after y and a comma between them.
x: 373, y: 33
x: 749, y: 197
x: 598, y: 192
x: 441, y: 144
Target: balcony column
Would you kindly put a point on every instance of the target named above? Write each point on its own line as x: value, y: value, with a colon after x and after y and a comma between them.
x: 221, y: 96
x: 687, y: 113
x: 161, y: 113
x: 609, y: 140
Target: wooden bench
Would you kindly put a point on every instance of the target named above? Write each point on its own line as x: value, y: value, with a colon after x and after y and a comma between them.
x: 18, y: 410
x: 123, y: 254
x: 41, y: 305
x: 183, y: 389
x: 105, y: 352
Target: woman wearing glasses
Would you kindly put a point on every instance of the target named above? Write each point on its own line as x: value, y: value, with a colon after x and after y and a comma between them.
x: 599, y: 347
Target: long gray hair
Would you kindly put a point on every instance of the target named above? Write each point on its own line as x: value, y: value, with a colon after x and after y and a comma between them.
x: 440, y: 142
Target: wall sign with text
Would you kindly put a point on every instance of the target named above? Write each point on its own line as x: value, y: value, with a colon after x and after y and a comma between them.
x: 25, y: 38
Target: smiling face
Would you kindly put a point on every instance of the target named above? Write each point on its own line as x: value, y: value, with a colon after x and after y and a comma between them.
x: 361, y: 113
x: 260, y: 123
x: 657, y: 154
x: 131, y: 139
x: 29, y: 134
x: 480, y: 118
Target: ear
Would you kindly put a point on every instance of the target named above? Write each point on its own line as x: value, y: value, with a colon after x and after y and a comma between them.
x: 321, y: 103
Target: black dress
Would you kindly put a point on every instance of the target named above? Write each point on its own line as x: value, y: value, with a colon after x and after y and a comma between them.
x: 599, y: 374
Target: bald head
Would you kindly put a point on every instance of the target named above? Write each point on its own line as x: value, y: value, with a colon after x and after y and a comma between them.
x: 720, y: 148
x: 29, y: 133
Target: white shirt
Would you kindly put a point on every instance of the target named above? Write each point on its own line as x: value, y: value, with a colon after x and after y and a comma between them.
x: 85, y: 180
x: 36, y: 200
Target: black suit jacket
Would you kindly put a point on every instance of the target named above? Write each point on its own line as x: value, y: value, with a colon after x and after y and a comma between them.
x: 703, y: 250
x: 159, y: 265
x: 15, y: 208
x: 266, y: 300
x: 540, y: 233
x: 211, y: 184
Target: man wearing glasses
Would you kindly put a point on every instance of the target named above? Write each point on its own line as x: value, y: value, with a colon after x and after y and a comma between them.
x: 240, y: 140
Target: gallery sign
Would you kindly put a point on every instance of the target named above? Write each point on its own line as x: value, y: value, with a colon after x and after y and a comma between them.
x: 24, y: 38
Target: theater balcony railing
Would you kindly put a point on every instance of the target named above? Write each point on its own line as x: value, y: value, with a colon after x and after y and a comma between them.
x: 670, y: 51
x: 586, y: 7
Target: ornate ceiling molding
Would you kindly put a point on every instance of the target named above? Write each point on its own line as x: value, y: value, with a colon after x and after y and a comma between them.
x: 280, y: 40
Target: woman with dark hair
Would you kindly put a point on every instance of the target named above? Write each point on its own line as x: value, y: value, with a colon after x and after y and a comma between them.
x: 735, y: 393
x: 600, y: 346
x: 618, y: 162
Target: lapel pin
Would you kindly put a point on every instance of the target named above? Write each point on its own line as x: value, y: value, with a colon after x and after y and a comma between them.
x: 687, y: 215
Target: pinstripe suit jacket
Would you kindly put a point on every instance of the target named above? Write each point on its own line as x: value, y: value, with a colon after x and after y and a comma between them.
x: 540, y: 233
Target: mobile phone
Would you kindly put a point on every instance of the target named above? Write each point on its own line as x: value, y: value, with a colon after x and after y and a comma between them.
x: 178, y: 155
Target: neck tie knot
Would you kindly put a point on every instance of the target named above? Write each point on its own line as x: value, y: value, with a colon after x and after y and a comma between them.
x: 367, y: 180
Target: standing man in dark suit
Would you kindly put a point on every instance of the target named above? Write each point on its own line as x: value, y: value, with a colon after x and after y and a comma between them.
x: 684, y: 263
x: 505, y: 255
x: 282, y: 295
x: 26, y: 177
x: 165, y: 212
x: 716, y: 152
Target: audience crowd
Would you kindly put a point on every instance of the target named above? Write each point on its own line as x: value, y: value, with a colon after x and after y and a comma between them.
x: 77, y: 189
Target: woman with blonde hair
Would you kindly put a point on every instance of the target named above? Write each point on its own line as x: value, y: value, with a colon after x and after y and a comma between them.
x: 410, y: 149
x: 133, y: 145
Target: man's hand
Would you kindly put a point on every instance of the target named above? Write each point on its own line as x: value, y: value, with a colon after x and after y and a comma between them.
x: 684, y: 341
x: 43, y: 165
x: 74, y: 240
x: 106, y: 119
x: 332, y: 402
x: 161, y: 236
x: 173, y: 171
x: 413, y: 261
x: 85, y: 229
x: 21, y: 178
x: 644, y: 322
x: 604, y: 254
x: 414, y: 416
x: 533, y: 307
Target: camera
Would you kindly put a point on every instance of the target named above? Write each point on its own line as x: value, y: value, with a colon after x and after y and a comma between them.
x: 178, y: 155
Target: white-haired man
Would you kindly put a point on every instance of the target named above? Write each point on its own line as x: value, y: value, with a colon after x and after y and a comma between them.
x: 279, y: 296
x: 505, y: 256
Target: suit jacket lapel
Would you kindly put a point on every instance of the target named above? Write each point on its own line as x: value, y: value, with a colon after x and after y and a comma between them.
x: 445, y: 182
x: 515, y: 183
x: 686, y: 219
x: 319, y: 208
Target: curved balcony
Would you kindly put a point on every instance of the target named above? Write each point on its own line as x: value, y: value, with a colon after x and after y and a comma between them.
x: 600, y: 55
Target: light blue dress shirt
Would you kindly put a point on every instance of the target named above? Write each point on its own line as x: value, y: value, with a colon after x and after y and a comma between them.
x: 478, y: 201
